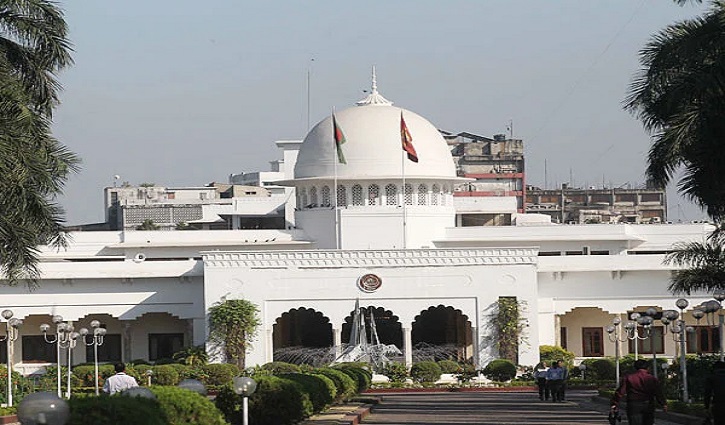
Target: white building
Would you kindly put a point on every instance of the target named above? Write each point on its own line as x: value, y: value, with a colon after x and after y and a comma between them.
x: 386, y: 236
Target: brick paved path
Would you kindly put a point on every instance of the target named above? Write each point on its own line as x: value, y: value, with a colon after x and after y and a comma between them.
x: 487, y: 408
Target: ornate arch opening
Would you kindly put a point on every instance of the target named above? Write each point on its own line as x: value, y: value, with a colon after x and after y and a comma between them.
x: 441, y: 333
x: 388, y: 326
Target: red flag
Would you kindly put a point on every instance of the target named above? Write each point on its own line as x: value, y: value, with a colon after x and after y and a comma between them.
x: 339, y: 140
x: 407, y: 140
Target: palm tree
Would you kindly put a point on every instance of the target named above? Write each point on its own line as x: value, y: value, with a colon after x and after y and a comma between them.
x: 705, y: 262
x: 679, y: 95
x: 33, y: 165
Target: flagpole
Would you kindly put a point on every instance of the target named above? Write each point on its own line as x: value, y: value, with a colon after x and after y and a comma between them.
x: 402, y: 164
x: 334, y: 191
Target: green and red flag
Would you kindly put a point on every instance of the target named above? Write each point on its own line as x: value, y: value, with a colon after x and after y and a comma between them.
x: 339, y: 140
x: 407, y: 140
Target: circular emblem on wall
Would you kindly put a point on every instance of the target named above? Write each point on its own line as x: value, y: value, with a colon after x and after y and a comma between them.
x: 369, y: 283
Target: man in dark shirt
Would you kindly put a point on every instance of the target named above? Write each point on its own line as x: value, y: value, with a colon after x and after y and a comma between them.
x: 643, y: 391
x: 715, y: 393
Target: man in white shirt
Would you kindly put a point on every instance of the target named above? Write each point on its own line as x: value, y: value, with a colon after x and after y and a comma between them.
x: 120, y: 381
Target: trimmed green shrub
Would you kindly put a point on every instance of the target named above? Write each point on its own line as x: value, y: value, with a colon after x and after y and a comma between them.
x: 277, y: 401
x: 552, y: 353
x: 277, y: 368
x: 346, y: 386
x: 362, y: 377
x: 600, y: 369
x: 184, y: 407
x: 396, y: 372
x: 320, y: 388
x: 218, y: 374
x: 449, y: 366
x: 501, y: 370
x: 165, y: 375
x: 425, y: 372
x: 115, y: 411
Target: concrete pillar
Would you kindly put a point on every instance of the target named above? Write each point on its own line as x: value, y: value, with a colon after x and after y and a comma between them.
x: 476, y: 354
x: 126, y: 341
x: 337, y: 341
x: 269, y: 345
x: 408, y: 347
x: 557, y: 329
x: 198, y: 331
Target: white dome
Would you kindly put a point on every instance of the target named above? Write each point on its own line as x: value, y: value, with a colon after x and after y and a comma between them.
x: 373, y: 147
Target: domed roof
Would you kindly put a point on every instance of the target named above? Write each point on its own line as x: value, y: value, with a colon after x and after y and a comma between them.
x: 373, y: 147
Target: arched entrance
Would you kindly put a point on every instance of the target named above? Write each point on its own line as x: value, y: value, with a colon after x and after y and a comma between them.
x: 441, y: 333
x: 389, y: 328
x: 302, y: 327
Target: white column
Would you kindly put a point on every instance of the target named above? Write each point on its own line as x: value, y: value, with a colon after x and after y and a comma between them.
x: 557, y: 329
x: 127, y: 342
x: 268, y: 345
x: 198, y: 331
x: 408, y: 347
x: 476, y: 354
x: 337, y: 341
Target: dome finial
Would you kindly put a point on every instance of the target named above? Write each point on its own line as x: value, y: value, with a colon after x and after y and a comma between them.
x: 374, y: 98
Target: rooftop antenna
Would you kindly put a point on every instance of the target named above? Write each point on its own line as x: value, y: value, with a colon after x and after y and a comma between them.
x: 116, y: 178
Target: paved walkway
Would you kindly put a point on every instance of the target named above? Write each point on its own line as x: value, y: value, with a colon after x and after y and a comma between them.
x: 487, y: 408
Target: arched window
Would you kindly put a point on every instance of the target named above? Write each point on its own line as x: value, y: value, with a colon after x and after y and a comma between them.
x: 341, y: 196
x: 357, y: 197
x: 422, y: 194
x: 302, y: 202
x: 408, y: 194
x: 374, y: 195
x: 325, y: 196
x: 444, y: 195
x: 313, y: 197
x: 434, y: 193
x: 391, y: 194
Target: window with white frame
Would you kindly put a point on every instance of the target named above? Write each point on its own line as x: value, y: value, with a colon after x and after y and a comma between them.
x: 374, y: 194
x: 341, y: 196
x: 422, y: 194
x: 434, y: 192
x: 391, y: 194
x: 408, y: 194
x: 326, y: 196
x: 357, y: 196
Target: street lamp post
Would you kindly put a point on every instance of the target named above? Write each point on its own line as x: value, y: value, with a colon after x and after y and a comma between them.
x: 65, y: 337
x: 11, y: 335
x: 679, y: 330
x: 245, y: 387
x: 715, y: 306
x: 633, y: 331
x: 615, y: 334
x: 96, y: 341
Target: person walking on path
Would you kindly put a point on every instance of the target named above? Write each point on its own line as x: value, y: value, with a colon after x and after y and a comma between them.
x: 554, y: 381
x: 564, y: 381
x: 715, y: 393
x: 642, y: 392
x: 120, y: 381
x: 540, y: 376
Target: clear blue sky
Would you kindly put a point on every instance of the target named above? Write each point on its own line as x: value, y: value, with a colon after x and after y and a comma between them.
x: 186, y: 92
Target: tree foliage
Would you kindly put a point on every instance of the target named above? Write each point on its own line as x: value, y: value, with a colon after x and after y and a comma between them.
x: 679, y: 95
x: 702, y: 266
x: 34, y: 166
x: 233, y: 324
x: 509, y: 324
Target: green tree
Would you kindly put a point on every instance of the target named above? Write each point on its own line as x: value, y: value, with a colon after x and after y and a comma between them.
x: 233, y: 325
x: 509, y: 324
x: 702, y: 266
x: 148, y: 224
x: 679, y: 95
x: 34, y: 166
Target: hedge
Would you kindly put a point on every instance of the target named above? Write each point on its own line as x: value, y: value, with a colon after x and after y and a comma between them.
x: 346, y: 386
x: 184, y: 407
x: 321, y: 389
x: 277, y: 401
x: 449, y: 366
x: 219, y: 374
x: 425, y: 372
x: 277, y: 368
x: 362, y: 376
x: 501, y: 370
x: 115, y: 410
x: 395, y: 371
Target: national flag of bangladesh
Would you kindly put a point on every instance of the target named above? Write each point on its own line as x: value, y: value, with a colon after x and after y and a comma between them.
x: 407, y: 140
x: 339, y: 140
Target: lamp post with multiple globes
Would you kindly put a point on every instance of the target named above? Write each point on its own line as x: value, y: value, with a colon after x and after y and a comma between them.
x: 716, y: 306
x: 11, y: 335
x: 96, y: 341
x: 65, y: 337
x: 674, y: 322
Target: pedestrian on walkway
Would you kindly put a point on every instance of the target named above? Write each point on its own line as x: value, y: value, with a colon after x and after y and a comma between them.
x: 715, y: 393
x: 120, y: 381
x: 540, y: 376
x: 564, y: 381
x: 643, y: 392
x: 554, y: 380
